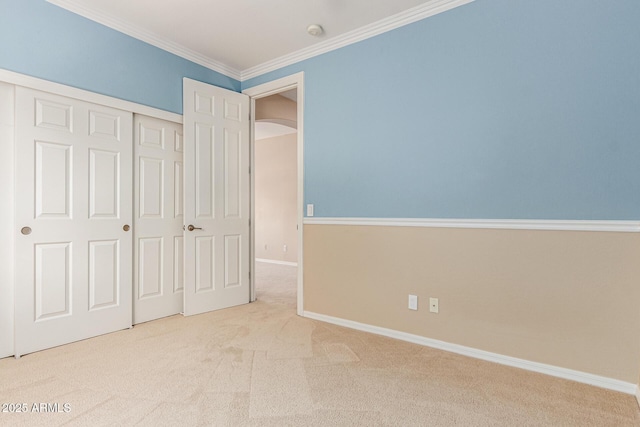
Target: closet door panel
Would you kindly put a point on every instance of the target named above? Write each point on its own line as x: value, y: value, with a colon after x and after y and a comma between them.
x: 73, y: 201
x: 158, y: 184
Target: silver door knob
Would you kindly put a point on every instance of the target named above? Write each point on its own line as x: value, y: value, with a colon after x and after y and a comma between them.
x: 25, y: 230
x: 191, y: 228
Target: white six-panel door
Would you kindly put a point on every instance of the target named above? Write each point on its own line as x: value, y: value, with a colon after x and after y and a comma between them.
x: 73, y: 215
x: 158, y: 199
x: 216, y: 157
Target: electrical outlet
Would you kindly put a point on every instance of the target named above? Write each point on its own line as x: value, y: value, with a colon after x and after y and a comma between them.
x: 433, y: 305
x: 266, y: 248
x: 284, y: 249
x: 309, y: 210
x: 413, y: 302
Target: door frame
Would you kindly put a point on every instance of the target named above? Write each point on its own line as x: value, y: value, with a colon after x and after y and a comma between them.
x: 294, y: 81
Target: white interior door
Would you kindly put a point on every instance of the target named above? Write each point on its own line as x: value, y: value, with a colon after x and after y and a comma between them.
x: 73, y: 213
x: 216, y: 157
x: 158, y: 275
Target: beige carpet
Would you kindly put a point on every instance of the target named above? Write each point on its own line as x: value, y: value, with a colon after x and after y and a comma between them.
x: 261, y: 365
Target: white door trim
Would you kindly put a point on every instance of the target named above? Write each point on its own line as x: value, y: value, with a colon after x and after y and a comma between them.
x: 7, y: 249
x: 261, y: 91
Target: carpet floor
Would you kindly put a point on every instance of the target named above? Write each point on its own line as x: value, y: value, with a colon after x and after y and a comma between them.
x: 261, y: 365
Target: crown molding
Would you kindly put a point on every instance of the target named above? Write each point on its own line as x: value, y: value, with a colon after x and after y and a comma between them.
x: 417, y: 13
x: 505, y: 224
x: 148, y: 37
x: 409, y: 16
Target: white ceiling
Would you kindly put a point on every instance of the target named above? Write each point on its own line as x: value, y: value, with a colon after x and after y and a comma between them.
x: 237, y: 37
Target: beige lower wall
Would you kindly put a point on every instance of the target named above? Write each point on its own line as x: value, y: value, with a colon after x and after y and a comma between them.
x: 276, y: 206
x: 565, y: 298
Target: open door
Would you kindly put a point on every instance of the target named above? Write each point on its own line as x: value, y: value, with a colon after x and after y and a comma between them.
x: 216, y: 198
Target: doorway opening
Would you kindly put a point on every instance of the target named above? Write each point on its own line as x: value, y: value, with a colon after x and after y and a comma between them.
x: 275, y: 197
x: 277, y: 191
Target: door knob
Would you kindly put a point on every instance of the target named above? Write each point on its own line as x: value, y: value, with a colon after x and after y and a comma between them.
x: 25, y: 230
x: 126, y: 227
x: 191, y: 228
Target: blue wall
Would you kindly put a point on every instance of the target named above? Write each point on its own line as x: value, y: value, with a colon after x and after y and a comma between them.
x: 497, y: 109
x: 45, y: 41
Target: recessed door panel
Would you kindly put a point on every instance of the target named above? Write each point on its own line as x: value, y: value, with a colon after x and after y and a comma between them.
x: 104, y: 184
x: 151, y: 187
x: 204, y: 103
x: 53, y: 174
x: 178, y: 142
x: 232, y: 193
x: 150, y: 264
x: 178, y: 189
x: 54, y: 115
x: 52, y: 280
x: 204, y: 171
x: 104, y: 125
x: 232, y: 110
x: 103, y: 274
x: 232, y: 261
x: 205, y: 267
x: 178, y: 263
x: 151, y: 136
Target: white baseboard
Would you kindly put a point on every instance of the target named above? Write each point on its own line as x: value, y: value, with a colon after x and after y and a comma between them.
x: 273, y: 261
x: 555, y: 371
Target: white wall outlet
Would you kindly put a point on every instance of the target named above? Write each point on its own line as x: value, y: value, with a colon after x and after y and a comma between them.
x: 413, y: 302
x: 284, y: 249
x: 433, y: 305
x: 310, y: 209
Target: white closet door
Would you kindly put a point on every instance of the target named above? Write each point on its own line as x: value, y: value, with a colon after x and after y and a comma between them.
x: 73, y: 213
x: 216, y: 156
x: 158, y: 241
